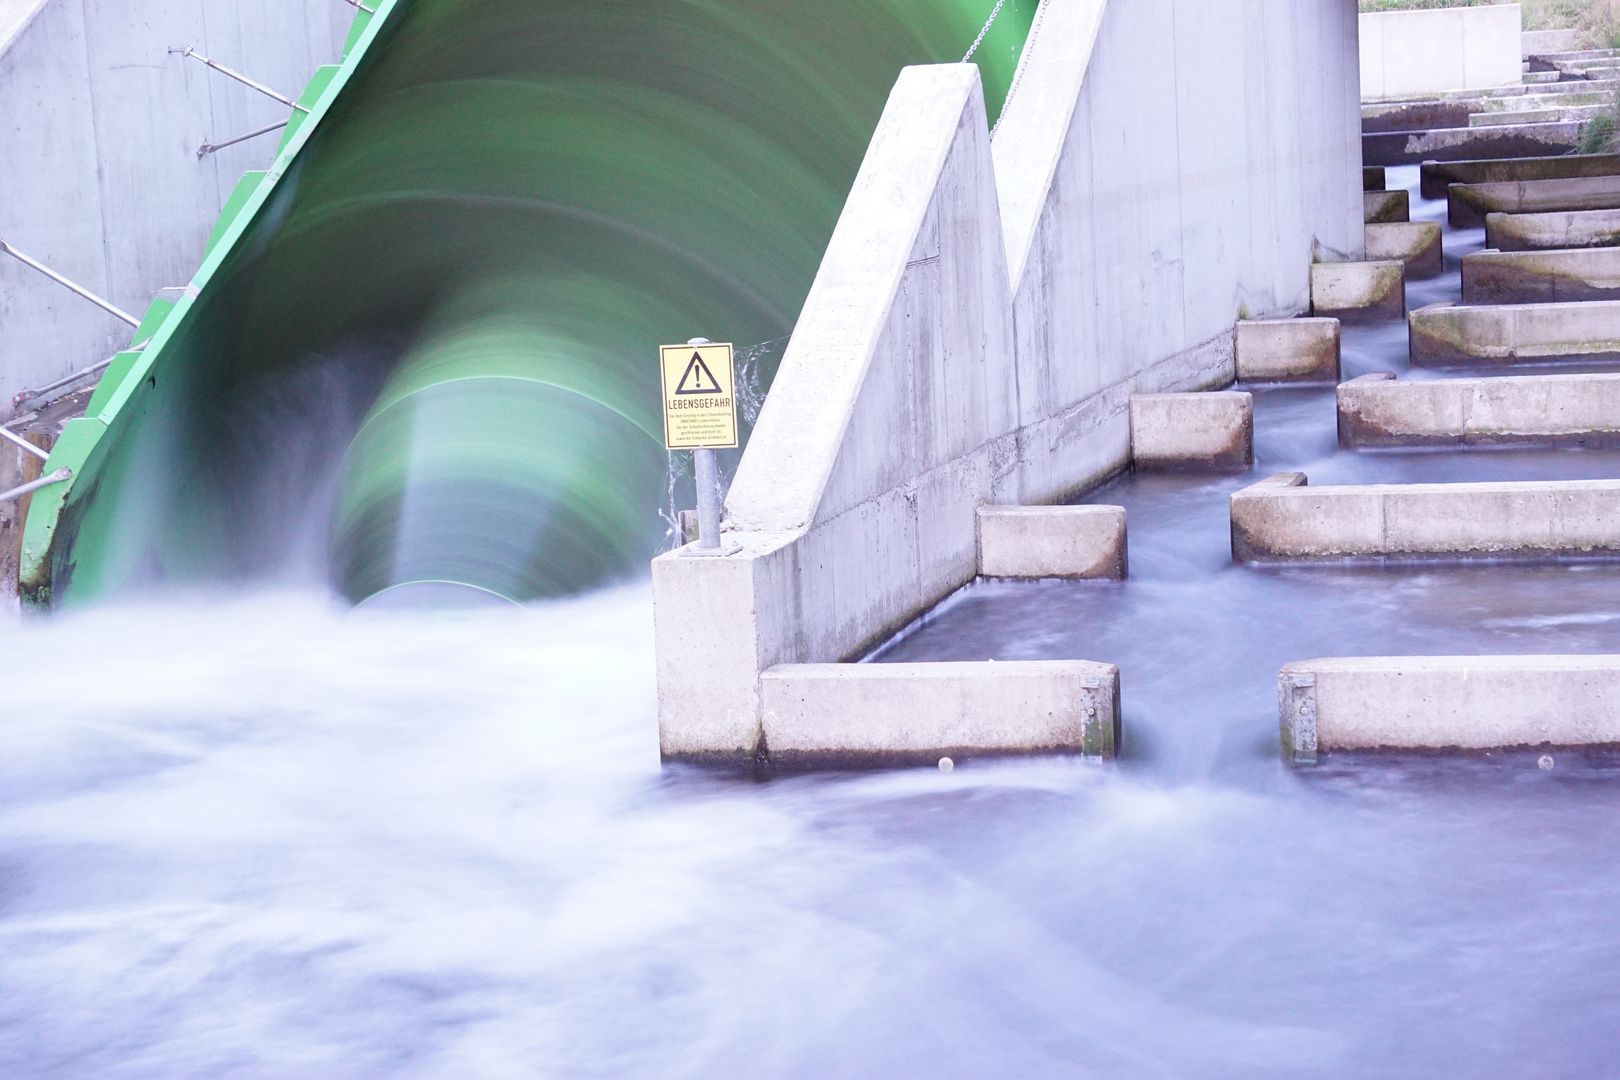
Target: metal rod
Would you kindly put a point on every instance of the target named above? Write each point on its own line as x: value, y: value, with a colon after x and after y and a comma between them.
x: 60, y: 280
x: 64, y: 473
x: 208, y: 148
x: 24, y: 443
x: 708, y: 489
x: 29, y: 395
x: 239, y: 77
x: 362, y: 7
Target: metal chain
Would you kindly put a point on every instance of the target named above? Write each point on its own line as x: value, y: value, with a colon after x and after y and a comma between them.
x: 974, y: 47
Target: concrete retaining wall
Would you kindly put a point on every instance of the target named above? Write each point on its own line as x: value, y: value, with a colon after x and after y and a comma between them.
x: 1448, y: 702
x: 1564, y: 229
x: 1541, y: 277
x: 1281, y: 520
x: 1377, y: 410
x: 951, y: 356
x: 100, y: 177
x: 1419, y: 52
x: 1453, y: 335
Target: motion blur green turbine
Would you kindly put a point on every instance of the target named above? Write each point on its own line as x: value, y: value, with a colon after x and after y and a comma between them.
x: 512, y: 203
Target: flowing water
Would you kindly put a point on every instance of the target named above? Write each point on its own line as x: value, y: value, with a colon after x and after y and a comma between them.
x: 260, y: 834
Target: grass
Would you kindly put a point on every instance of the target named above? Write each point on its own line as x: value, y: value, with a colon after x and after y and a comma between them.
x: 1595, y: 19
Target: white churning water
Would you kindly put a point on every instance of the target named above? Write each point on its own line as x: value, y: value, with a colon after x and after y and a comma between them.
x: 257, y: 835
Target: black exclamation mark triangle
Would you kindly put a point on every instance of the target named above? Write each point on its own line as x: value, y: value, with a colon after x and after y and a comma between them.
x: 692, y: 381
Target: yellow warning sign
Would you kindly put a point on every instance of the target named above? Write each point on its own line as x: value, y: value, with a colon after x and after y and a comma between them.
x: 700, y: 411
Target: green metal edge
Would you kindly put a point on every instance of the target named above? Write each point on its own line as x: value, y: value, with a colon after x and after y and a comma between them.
x: 80, y: 437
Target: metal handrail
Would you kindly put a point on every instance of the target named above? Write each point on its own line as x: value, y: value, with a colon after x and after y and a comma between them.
x: 64, y: 473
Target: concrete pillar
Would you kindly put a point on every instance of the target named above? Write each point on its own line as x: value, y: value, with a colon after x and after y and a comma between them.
x: 1383, y: 206
x: 1359, y: 291
x: 1201, y: 432
x: 1052, y: 541
x: 1415, y: 243
x: 1287, y: 350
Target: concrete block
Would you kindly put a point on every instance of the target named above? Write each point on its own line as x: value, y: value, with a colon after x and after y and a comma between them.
x: 1372, y: 178
x: 1547, y: 114
x: 1418, y: 115
x: 1532, y: 42
x: 1381, y: 206
x: 1416, y: 52
x: 1415, y: 243
x: 1052, y: 541
x: 1201, y: 432
x: 1448, y: 703
x: 1436, y: 176
x: 1561, y: 229
x: 1468, y: 143
x: 854, y: 715
x: 1377, y: 410
x: 1354, y: 292
x: 1467, y: 204
x: 1541, y: 277
x: 1288, y: 350
x: 1454, y: 335
x: 1282, y: 520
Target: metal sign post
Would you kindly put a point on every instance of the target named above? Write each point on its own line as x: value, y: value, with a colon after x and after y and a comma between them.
x: 700, y: 414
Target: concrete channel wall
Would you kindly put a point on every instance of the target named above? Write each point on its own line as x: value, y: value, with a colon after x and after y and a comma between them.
x: 983, y: 314
x: 100, y: 177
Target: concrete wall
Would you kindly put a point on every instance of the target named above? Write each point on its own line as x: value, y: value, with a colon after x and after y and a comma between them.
x: 99, y: 175
x: 983, y: 314
x: 1407, y: 53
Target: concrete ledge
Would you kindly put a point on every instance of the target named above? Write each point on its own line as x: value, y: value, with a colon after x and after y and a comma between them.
x: 1052, y: 541
x: 1447, y: 703
x: 1541, y: 277
x: 1376, y: 410
x: 1287, y: 350
x: 1281, y: 520
x: 1385, y: 206
x: 1453, y: 335
x: 1468, y: 143
x: 1562, y: 229
x: 853, y: 715
x: 1436, y: 176
x: 1355, y: 292
x: 1201, y: 432
x: 1467, y: 204
x: 1415, y: 243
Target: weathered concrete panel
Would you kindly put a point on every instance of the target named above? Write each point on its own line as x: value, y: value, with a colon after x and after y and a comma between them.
x: 1448, y: 702
x: 1415, y: 243
x: 843, y: 715
x: 1384, y: 206
x: 1532, y: 42
x: 1581, y: 410
x: 1417, y: 52
x: 1436, y: 176
x: 1359, y: 291
x: 1282, y: 520
x: 1454, y: 335
x: 1288, y: 350
x: 1541, y: 277
x: 1207, y: 432
x: 1467, y: 204
x: 1561, y: 229
x: 1052, y: 541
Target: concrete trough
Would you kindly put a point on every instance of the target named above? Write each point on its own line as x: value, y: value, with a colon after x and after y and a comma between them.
x: 1436, y: 176
x: 1469, y: 143
x: 1382, y: 206
x: 1287, y: 350
x: 1280, y: 519
x: 1052, y: 541
x: 1459, y: 703
x: 1457, y: 335
x: 1541, y: 277
x: 1357, y: 292
x: 1560, y: 229
x: 1194, y: 432
x: 865, y: 715
x: 1467, y: 204
x: 1415, y: 243
x: 1550, y: 410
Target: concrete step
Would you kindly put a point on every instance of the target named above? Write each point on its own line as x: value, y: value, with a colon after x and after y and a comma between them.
x: 1359, y: 292
x: 1483, y: 109
x: 862, y: 715
x: 1569, y: 56
x: 1468, y: 703
x: 1455, y: 335
x: 1546, y: 115
x: 1546, y: 410
x: 1532, y: 42
x: 1541, y: 277
x: 1556, y: 229
x: 1280, y: 519
x: 1467, y: 204
x: 1385, y: 206
x: 1415, y: 243
x: 1463, y: 143
x: 1435, y: 176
